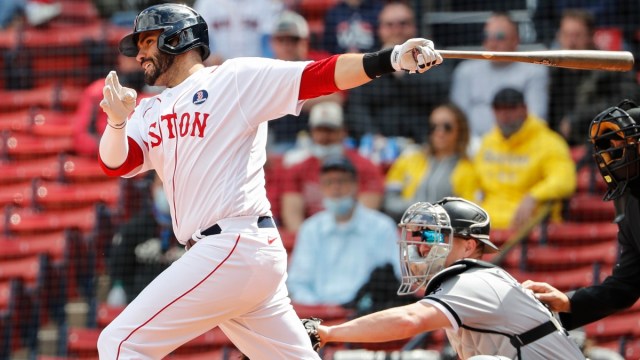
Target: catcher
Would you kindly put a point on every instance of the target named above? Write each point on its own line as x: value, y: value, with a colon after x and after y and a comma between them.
x: 483, y: 310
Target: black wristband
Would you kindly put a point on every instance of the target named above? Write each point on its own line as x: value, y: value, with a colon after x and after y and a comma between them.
x: 377, y: 63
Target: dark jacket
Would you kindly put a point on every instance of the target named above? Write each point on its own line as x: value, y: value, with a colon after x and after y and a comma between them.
x: 620, y: 290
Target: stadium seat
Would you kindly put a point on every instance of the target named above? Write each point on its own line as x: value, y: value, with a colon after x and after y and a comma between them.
x: 18, y: 194
x: 63, y: 98
x: 549, y: 257
x: 30, y: 221
x: 81, y: 169
x: 589, y: 180
x: 589, y: 207
x: 615, y: 326
x: 16, y: 146
x: 568, y: 233
x: 55, y: 195
x: 563, y: 280
x: 27, y: 170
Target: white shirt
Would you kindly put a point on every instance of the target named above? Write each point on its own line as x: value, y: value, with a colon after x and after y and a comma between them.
x: 206, y: 138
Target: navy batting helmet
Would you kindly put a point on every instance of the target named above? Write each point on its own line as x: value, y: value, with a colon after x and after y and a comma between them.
x: 177, y: 22
x: 614, y: 135
x: 468, y: 220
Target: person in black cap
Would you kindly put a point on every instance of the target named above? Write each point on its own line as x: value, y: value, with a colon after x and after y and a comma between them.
x: 337, y: 249
x: 521, y: 164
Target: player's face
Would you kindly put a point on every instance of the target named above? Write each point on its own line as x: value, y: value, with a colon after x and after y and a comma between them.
x: 154, y: 62
x: 458, y: 251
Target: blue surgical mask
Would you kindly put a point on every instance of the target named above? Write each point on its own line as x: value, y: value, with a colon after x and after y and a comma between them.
x: 339, y: 206
x: 325, y: 151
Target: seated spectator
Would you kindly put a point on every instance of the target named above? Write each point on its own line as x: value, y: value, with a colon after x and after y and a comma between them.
x: 290, y: 42
x: 301, y: 189
x: 337, y: 249
x: 395, y: 104
x: 521, y: 163
x: 577, y: 95
x: 475, y: 82
x: 35, y: 12
x: 89, y: 119
x: 349, y: 26
x: 238, y: 27
x: 437, y: 169
x: 145, y: 245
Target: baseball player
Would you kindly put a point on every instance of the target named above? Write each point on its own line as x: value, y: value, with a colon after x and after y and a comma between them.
x: 205, y: 136
x: 483, y: 310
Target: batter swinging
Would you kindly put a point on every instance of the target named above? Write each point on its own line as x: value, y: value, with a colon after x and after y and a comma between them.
x: 205, y: 135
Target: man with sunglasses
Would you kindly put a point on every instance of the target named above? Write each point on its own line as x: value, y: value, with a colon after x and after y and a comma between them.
x: 475, y: 82
x: 483, y: 310
x: 614, y: 135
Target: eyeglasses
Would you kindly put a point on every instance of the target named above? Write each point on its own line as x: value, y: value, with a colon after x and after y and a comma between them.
x: 499, y: 35
x: 400, y: 23
x: 446, y: 127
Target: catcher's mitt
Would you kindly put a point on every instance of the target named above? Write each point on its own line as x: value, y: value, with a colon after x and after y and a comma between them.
x: 311, y: 325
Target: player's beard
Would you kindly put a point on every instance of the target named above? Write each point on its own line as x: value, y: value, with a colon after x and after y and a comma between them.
x: 161, y: 63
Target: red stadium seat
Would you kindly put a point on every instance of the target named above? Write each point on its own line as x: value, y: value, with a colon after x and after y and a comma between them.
x: 29, y: 221
x: 81, y: 169
x: 26, y: 170
x: 25, y: 146
x: 615, y: 326
x: 590, y: 207
x: 569, y: 257
x: 589, y: 180
x: 18, y: 194
x: 563, y: 280
x: 568, y: 233
x: 55, y: 195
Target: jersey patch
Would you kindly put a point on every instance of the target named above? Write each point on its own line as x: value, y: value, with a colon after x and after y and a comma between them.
x: 200, y: 96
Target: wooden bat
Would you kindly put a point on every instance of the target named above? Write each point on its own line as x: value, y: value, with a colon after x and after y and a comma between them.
x: 571, y: 59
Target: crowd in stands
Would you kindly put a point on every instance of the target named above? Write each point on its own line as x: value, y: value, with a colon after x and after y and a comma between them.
x: 341, y: 173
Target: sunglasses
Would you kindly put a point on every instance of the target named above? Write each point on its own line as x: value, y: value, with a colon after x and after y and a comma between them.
x: 446, y: 127
x: 429, y: 236
x: 494, y: 36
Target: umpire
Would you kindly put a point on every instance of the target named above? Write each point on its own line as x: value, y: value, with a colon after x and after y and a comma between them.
x: 614, y: 135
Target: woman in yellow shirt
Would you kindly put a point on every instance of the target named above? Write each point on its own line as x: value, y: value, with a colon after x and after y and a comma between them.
x: 439, y: 168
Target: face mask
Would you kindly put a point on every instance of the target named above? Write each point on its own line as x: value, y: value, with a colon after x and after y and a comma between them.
x: 510, y: 128
x: 340, y: 206
x: 325, y: 151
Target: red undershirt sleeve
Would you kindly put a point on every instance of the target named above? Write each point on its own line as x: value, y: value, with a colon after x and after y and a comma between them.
x: 134, y: 159
x: 318, y: 78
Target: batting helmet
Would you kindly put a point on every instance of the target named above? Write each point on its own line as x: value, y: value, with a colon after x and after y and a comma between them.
x: 614, y: 135
x: 177, y: 22
x: 468, y: 221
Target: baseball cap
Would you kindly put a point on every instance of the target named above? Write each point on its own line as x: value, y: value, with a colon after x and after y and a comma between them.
x: 291, y: 24
x: 338, y: 163
x: 508, y: 97
x: 326, y: 114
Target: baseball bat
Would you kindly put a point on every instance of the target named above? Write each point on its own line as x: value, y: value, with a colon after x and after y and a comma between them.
x: 571, y: 59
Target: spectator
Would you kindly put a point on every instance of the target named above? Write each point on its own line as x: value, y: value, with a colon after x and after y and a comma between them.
x: 439, y: 168
x: 145, y: 245
x: 576, y: 95
x: 338, y: 248
x: 349, y: 26
x: 290, y: 42
x: 395, y: 104
x: 238, y: 27
x: 475, y: 82
x: 35, y: 12
x: 89, y: 119
x: 521, y: 163
x: 302, y: 197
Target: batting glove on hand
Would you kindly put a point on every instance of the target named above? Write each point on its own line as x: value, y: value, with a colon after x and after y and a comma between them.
x: 118, y: 101
x: 415, y: 55
x: 311, y: 325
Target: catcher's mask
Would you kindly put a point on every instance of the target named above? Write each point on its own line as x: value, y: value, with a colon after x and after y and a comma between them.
x: 182, y: 28
x: 425, y: 243
x: 614, y: 136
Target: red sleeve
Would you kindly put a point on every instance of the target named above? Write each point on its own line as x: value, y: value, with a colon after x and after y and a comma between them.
x: 134, y: 159
x: 318, y: 78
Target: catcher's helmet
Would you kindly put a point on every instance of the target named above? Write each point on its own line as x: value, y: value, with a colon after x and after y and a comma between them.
x: 178, y: 22
x: 424, y: 244
x: 468, y: 220
x: 614, y: 135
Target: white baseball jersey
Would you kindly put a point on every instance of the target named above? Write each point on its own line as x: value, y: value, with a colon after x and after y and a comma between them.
x: 210, y: 132
x: 490, y: 299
